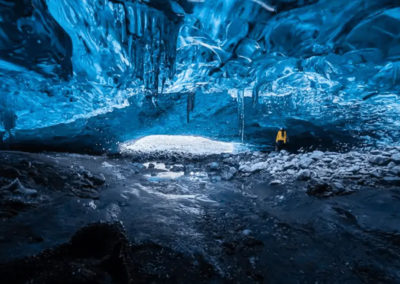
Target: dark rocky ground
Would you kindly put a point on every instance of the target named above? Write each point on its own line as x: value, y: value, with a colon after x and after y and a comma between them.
x: 252, y: 217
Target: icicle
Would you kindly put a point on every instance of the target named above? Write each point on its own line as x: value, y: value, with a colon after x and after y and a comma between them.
x: 190, y: 105
x: 240, y: 103
x: 151, y: 45
x: 121, y: 19
x: 255, y: 92
x: 130, y: 47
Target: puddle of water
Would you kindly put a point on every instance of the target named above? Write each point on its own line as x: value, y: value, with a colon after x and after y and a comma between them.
x: 196, y: 176
x: 116, y: 172
x: 158, y: 166
x: 166, y: 174
x: 185, y: 196
x: 162, y: 176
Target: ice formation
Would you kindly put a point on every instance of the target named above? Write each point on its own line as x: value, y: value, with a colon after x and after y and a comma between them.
x: 103, y: 71
x: 179, y: 144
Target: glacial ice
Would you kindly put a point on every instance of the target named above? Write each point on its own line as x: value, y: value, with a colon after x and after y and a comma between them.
x: 101, y: 72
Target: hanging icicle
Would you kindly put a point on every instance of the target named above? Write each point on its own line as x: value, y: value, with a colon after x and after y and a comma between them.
x: 240, y: 104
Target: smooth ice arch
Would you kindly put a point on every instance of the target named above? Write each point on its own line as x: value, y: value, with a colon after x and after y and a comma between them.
x: 90, y: 74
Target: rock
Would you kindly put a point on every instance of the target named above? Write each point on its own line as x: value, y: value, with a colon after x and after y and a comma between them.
x: 317, y: 155
x: 9, y: 172
x: 213, y: 166
x: 375, y: 173
x: 396, y: 158
x: 319, y: 189
x: 35, y: 239
x: 250, y: 168
x: 395, y: 181
x: 17, y: 187
x: 304, y: 175
x: 27, y: 191
x: 305, y: 162
x: 82, y: 192
x: 177, y: 168
x: 95, y: 180
x: 275, y: 182
x: 327, y: 160
x: 215, y: 178
x: 379, y: 160
x: 272, y: 155
x: 291, y: 172
x: 102, y: 253
x: 289, y: 165
x: 349, y: 157
x: 395, y: 170
x: 229, y: 161
x: 246, y: 232
x: 138, y: 166
x: 13, y: 186
x: 364, y: 171
x: 189, y: 168
x: 229, y: 247
x: 355, y: 177
x: 252, y: 242
x: 228, y: 173
x: 354, y: 169
x: 338, y: 186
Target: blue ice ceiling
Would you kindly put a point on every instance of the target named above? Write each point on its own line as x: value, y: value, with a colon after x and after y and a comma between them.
x: 95, y: 72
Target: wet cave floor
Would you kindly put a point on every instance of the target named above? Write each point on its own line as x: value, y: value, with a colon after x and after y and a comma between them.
x: 249, y: 217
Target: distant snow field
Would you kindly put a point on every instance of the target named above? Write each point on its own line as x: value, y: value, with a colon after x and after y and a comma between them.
x: 179, y: 144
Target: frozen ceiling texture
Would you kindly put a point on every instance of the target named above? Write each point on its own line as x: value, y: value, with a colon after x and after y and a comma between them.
x: 87, y: 74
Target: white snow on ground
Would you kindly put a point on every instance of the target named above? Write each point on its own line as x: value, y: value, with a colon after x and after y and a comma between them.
x: 179, y: 144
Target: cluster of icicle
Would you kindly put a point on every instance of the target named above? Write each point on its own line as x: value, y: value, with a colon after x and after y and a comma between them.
x: 151, y: 40
x: 119, y: 41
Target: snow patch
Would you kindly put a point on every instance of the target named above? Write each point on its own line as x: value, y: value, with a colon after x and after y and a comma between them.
x: 179, y: 144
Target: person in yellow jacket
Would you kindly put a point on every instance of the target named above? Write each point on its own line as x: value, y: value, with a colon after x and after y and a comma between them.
x: 281, y: 139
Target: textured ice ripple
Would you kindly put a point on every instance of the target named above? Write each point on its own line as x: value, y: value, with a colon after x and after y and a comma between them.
x: 332, y: 64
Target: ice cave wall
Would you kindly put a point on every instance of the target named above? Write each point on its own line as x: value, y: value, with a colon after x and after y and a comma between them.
x: 76, y: 59
x: 116, y: 70
x: 333, y: 64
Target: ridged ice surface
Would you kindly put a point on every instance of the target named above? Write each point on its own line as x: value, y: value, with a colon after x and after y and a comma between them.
x: 124, y: 69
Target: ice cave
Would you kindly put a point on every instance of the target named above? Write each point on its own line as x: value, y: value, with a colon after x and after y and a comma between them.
x: 204, y: 141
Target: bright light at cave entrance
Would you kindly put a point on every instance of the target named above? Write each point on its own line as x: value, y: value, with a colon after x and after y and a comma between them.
x: 179, y: 144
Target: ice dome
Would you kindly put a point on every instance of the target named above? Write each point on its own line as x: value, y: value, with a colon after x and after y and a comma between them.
x: 90, y: 74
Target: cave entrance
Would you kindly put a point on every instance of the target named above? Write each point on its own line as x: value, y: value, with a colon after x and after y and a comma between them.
x: 183, y: 144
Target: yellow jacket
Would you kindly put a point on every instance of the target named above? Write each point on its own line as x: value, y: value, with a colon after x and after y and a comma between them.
x: 281, y: 136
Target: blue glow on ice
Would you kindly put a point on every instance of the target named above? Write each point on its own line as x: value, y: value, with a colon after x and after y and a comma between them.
x: 116, y: 70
